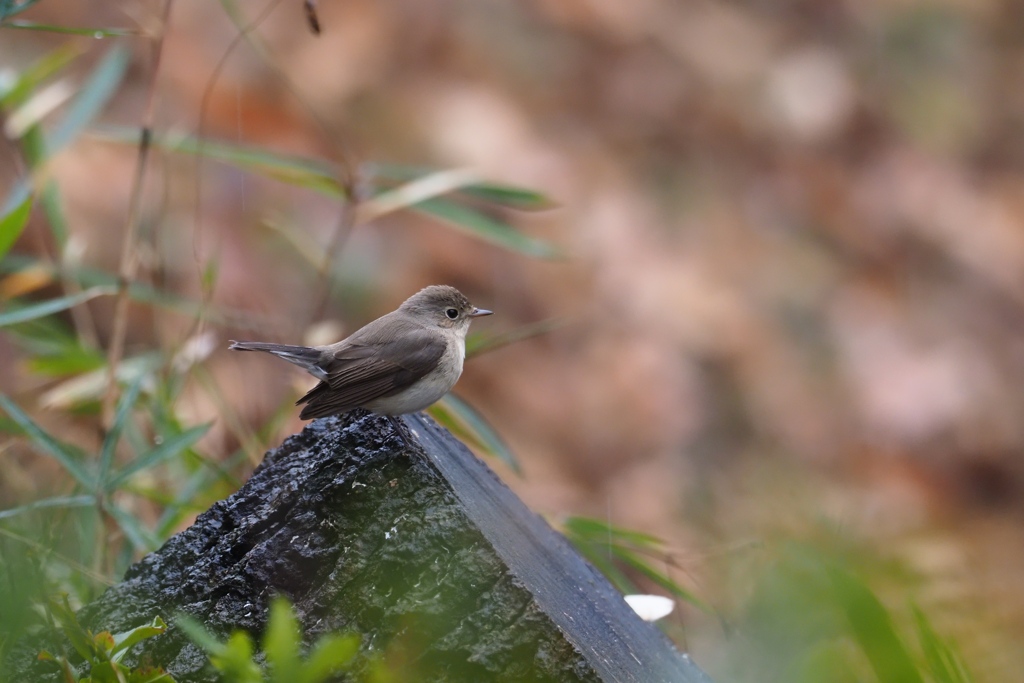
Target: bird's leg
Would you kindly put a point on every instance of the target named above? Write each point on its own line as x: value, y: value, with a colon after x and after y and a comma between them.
x: 400, y: 429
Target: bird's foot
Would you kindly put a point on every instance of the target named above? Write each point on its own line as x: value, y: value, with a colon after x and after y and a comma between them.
x: 400, y: 430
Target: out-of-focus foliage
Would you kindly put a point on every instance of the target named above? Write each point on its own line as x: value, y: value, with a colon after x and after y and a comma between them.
x: 793, y: 280
x: 235, y: 658
x: 103, y: 651
x: 810, y: 618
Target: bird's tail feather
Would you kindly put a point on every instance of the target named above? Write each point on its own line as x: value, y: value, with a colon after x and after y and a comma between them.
x: 304, y: 356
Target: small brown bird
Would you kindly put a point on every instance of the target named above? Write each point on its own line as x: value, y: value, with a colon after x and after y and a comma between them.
x: 400, y: 363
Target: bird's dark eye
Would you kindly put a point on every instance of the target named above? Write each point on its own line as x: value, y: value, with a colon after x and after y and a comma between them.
x: 452, y: 313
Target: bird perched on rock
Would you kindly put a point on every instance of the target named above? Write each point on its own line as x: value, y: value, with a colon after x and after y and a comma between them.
x: 400, y: 363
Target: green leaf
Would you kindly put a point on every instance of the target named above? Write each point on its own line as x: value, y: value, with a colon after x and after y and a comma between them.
x: 52, y: 306
x: 313, y: 174
x: 281, y: 641
x: 91, y: 99
x: 169, y: 448
x: 73, y: 630
x: 198, y: 634
x: 331, y: 655
x: 512, y: 197
x: 61, y: 452
x: 137, y: 535
x: 89, y: 387
x: 235, y: 659
x: 600, y: 556
x: 12, y: 224
x: 30, y: 78
x: 479, y: 225
x: 595, y: 529
x: 71, y: 360
x: 643, y: 566
x: 872, y: 628
x: 462, y: 419
x: 148, y: 674
x: 55, y: 502
x: 494, y: 193
x: 943, y: 661
x: 8, y: 8
x: 123, y: 641
x: 322, y: 177
x: 121, y: 414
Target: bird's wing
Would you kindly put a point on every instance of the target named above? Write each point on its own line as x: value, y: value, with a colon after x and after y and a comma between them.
x: 373, y: 364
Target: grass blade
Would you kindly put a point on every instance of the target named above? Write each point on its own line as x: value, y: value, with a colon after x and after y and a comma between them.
x: 60, y: 452
x: 641, y: 565
x: 72, y: 30
x: 482, y: 342
x: 52, y: 306
x: 481, y: 226
x: 137, y: 535
x: 943, y: 660
x: 55, y: 502
x: 91, y: 99
x: 12, y: 224
x: 588, y: 527
x: 465, y: 421
x: 872, y: 628
x: 169, y: 448
x: 124, y: 409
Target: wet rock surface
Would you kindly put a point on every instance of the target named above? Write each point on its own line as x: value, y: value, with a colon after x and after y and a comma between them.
x: 408, y: 540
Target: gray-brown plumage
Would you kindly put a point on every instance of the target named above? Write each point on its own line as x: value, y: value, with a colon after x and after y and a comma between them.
x: 399, y: 363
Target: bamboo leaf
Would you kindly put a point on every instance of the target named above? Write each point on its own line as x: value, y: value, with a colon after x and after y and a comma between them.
x: 943, y: 660
x: 494, y: 193
x: 91, y: 99
x: 32, y: 77
x: 121, y: 415
x: 588, y: 527
x: 61, y: 452
x: 313, y: 174
x: 511, y: 197
x: 137, y: 535
x: 322, y: 177
x: 12, y: 224
x: 55, y: 502
x: 52, y: 306
x: 8, y: 8
x: 465, y: 421
x: 872, y: 628
x: 415, y: 191
x: 643, y: 566
x: 479, y: 225
x: 168, y: 449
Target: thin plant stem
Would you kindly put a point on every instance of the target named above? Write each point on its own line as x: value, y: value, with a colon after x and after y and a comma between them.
x: 128, y: 261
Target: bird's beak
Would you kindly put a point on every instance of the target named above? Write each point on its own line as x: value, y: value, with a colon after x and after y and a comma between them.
x: 477, y: 312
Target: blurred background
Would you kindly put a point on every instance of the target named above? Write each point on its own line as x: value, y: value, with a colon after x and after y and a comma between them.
x: 771, y: 301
